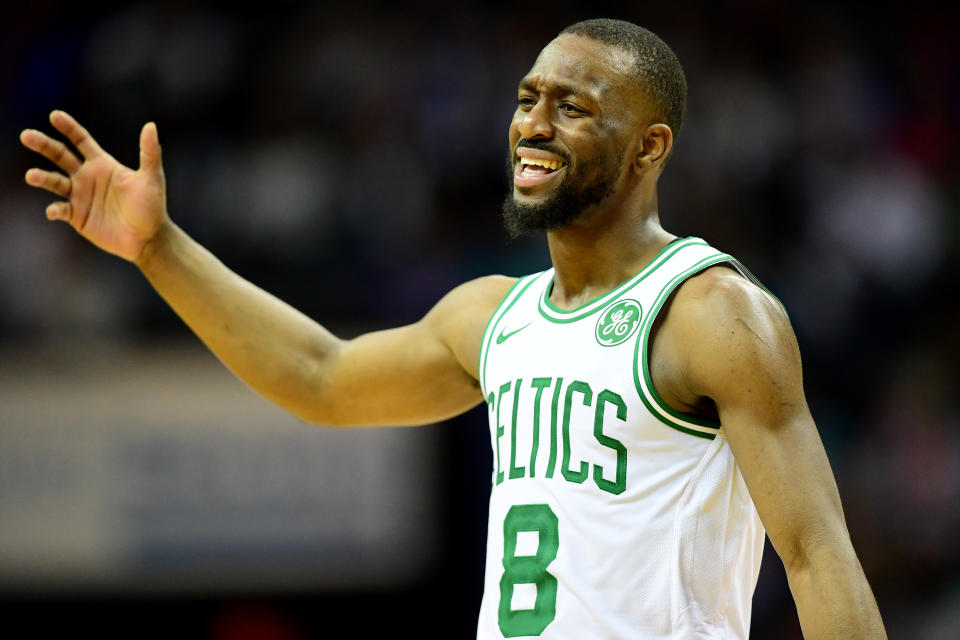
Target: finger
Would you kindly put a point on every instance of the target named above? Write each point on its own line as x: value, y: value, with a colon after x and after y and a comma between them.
x: 80, y: 137
x: 59, y: 211
x: 53, y: 150
x: 50, y: 180
x: 150, y: 158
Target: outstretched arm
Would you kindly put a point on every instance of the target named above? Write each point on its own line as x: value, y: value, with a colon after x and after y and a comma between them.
x: 740, y: 351
x: 416, y: 374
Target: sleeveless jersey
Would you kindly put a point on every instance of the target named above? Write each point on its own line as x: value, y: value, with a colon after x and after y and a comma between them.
x: 612, y: 515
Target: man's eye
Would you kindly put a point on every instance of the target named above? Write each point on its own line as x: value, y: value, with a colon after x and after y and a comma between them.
x: 570, y: 109
x: 526, y: 102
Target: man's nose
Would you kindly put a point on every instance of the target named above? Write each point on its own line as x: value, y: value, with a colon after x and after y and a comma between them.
x: 537, y: 124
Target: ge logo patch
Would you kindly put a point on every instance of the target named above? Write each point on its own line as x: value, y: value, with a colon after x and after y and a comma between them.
x: 618, y: 322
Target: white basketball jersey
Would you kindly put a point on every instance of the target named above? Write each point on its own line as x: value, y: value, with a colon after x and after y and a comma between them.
x: 611, y: 514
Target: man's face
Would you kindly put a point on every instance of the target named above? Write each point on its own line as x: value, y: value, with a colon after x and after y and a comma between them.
x: 570, y: 137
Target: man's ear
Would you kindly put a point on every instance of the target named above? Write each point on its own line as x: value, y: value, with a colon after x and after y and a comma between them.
x: 655, y: 146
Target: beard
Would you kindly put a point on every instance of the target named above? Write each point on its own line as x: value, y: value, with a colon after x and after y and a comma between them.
x: 576, y: 194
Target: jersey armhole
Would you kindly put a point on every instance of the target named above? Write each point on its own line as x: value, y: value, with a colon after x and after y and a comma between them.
x: 513, y: 294
x: 686, y: 423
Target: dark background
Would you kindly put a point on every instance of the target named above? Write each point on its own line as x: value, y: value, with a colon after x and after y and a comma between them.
x: 350, y: 160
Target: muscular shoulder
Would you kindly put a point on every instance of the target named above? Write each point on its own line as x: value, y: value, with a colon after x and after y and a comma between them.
x: 732, y: 337
x: 461, y: 316
x: 471, y: 303
x: 720, y: 294
x: 477, y: 295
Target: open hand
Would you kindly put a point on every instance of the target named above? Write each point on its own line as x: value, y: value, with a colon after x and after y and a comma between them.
x: 116, y: 208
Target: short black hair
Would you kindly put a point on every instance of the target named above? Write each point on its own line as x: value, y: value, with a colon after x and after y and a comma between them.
x: 657, y: 68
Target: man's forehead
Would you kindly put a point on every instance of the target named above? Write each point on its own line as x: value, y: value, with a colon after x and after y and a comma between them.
x: 572, y: 58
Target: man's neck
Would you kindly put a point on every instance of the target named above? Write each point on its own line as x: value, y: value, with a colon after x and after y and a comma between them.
x: 593, y: 256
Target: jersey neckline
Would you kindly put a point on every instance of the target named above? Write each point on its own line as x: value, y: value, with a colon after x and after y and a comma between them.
x: 561, y: 316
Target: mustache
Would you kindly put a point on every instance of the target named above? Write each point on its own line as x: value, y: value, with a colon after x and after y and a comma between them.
x: 542, y: 146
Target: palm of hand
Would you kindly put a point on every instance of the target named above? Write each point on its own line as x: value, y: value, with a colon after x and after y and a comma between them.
x: 114, y: 207
x: 117, y: 209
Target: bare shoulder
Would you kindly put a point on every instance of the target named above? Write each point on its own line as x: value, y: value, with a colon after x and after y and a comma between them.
x: 719, y: 297
x: 471, y: 302
x: 720, y: 291
x: 461, y: 316
x: 733, y: 332
x: 476, y: 295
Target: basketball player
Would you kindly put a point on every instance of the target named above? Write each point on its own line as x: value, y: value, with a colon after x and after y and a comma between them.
x: 647, y: 416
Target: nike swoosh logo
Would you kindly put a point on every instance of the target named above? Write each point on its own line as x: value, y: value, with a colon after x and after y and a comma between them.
x: 504, y: 335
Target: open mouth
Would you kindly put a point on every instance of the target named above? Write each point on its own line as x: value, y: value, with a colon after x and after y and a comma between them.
x: 534, y: 171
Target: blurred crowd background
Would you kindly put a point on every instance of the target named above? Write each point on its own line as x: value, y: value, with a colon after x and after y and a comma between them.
x: 350, y: 159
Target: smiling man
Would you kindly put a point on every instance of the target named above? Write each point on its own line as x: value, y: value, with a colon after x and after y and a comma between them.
x: 647, y: 415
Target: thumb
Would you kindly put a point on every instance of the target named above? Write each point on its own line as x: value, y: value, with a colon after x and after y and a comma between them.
x: 150, y: 149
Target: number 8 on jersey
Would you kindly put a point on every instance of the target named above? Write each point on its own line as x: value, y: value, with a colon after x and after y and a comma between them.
x: 528, y: 569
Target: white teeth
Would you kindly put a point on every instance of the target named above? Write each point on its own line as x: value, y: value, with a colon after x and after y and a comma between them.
x: 549, y: 164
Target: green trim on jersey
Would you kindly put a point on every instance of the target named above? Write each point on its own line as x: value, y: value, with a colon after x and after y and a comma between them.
x: 648, y: 393
x: 560, y: 316
x: 496, y: 316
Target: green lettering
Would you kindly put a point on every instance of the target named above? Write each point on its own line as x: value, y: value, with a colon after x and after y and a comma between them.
x: 515, y: 471
x: 587, y: 392
x: 539, y: 384
x: 620, y: 485
x: 500, y: 430
x: 552, y: 462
